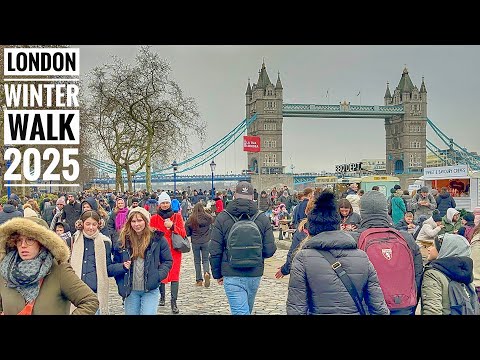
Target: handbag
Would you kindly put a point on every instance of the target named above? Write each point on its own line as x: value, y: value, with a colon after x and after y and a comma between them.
x: 180, y: 243
x: 337, y: 267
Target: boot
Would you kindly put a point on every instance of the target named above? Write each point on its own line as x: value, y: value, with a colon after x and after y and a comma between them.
x: 174, y: 307
x: 161, y: 302
x: 174, y: 293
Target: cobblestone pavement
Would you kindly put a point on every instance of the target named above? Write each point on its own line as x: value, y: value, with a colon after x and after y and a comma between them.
x: 194, y: 300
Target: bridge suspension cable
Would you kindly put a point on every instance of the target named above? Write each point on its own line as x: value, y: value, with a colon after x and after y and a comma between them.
x: 193, y: 162
x: 455, y: 152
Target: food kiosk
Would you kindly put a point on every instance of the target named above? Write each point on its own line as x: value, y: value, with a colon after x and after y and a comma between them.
x: 462, y: 183
x: 384, y: 182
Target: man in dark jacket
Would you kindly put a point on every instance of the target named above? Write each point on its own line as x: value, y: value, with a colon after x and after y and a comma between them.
x: 71, y: 211
x: 9, y: 211
x: 240, y: 284
x: 374, y: 214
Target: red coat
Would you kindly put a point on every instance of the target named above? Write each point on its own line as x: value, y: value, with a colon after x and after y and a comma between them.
x: 218, y: 206
x: 157, y: 222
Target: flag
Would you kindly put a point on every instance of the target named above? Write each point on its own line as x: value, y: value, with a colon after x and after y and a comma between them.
x: 358, y: 93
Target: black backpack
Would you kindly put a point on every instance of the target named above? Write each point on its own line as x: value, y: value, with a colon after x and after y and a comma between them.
x: 244, y: 242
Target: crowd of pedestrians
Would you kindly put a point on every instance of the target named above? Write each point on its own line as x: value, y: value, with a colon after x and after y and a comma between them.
x: 361, y: 254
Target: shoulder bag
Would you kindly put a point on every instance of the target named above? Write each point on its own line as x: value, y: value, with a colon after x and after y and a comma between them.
x: 337, y: 267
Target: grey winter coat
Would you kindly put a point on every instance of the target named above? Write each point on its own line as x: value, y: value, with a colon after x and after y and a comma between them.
x: 315, y: 288
x: 9, y: 212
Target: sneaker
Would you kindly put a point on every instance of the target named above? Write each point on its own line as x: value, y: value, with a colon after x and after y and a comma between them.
x: 199, y: 283
x: 207, y: 279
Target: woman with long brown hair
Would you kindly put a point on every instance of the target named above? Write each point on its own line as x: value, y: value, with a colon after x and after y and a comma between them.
x: 198, y: 228
x: 142, y: 260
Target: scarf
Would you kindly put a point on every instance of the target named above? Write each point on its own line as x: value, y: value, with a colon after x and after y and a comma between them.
x: 24, y: 275
x: 100, y: 265
x: 166, y: 214
x: 121, y: 218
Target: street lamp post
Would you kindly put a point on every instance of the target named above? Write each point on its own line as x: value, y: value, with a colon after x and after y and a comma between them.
x: 175, y: 168
x: 212, y: 167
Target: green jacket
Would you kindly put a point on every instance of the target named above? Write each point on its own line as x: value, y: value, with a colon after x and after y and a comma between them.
x: 60, y: 288
x: 435, y: 293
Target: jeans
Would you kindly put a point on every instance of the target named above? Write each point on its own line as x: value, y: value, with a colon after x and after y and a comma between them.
x: 241, y: 292
x: 200, y: 249
x: 142, y: 303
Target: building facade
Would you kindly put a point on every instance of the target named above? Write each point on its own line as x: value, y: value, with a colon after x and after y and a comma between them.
x: 406, y: 134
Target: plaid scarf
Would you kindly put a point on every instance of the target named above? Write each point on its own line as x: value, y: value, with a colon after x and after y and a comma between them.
x: 24, y: 275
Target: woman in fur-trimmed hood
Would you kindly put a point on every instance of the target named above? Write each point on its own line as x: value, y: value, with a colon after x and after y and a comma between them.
x: 34, y: 267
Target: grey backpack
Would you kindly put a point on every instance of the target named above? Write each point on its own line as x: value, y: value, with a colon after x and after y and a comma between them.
x: 244, y: 242
x: 463, y: 299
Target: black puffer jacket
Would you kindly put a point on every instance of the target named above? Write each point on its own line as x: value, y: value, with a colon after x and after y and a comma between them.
x: 315, y: 288
x: 221, y: 228
x: 158, y: 262
x: 202, y: 234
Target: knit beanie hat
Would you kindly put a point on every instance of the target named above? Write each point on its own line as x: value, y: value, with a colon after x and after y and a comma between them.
x: 436, y: 215
x: 424, y: 189
x: 140, y: 210
x: 60, y: 201
x: 373, y: 203
x: 29, y: 212
x: 324, y: 216
x: 164, y: 197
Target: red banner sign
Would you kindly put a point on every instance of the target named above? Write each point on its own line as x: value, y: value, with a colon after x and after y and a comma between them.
x: 251, y: 143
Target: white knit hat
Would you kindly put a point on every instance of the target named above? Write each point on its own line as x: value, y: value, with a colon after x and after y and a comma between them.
x: 27, y: 212
x: 164, y: 197
x: 141, y: 210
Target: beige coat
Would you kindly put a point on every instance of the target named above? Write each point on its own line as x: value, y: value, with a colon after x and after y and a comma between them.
x: 60, y: 287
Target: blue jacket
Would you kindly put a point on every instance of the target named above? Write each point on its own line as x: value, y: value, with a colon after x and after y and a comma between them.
x: 158, y: 262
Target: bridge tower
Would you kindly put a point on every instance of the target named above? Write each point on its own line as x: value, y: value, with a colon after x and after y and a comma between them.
x: 406, y: 134
x: 266, y: 100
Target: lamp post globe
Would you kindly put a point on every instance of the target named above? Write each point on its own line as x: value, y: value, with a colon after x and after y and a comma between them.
x: 212, y: 167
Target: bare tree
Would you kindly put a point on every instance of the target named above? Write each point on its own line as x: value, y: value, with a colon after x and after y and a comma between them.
x: 156, y: 117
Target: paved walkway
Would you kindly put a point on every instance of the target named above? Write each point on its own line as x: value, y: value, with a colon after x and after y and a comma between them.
x: 194, y: 300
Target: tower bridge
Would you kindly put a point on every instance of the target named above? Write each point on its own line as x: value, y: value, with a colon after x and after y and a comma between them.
x: 405, y: 119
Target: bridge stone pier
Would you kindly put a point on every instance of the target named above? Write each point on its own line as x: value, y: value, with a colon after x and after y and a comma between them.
x: 265, y: 182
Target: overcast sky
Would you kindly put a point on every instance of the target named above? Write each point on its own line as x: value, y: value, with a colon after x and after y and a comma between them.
x: 217, y: 76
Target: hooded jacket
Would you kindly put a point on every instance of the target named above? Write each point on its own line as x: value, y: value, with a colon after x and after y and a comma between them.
x: 447, y: 220
x: 374, y: 214
x: 314, y: 287
x: 60, y: 288
x: 221, y: 228
x: 9, y: 212
x: 453, y: 262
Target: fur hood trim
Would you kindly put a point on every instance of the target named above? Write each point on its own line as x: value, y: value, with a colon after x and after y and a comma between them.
x: 24, y: 226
